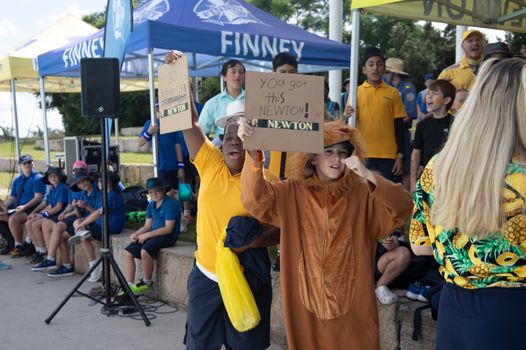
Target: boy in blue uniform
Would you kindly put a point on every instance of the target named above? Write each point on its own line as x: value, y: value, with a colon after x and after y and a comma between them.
x: 160, y: 230
x: 166, y: 159
x: 62, y: 230
x: 90, y: 227
x: 26, y: 194
x: 56, y: 201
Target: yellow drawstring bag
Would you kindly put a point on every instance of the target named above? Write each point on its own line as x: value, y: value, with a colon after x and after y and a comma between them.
x: 237, y: 297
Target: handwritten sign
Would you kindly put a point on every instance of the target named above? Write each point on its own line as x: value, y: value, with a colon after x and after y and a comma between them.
x: 287, y: 111
x: 175, y: 112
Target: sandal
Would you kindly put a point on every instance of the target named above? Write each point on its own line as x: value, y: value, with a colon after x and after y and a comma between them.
x: 385, y: 296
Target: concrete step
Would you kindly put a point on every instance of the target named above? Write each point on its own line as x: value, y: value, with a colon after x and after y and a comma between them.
x: 170, y: 285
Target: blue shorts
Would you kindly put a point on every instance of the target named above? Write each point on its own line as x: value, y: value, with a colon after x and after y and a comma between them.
x: 152, y: 245
x: 208, y: 325
x: 481, y: 319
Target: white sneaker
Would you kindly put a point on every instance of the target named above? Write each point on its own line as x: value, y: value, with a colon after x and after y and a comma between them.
x: 95, y: 274
x: 79, y: 236
x: 184, y: 225
x: 385, y: 296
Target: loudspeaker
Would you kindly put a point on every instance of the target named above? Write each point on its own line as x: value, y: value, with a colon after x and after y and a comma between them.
x: 100, y: 87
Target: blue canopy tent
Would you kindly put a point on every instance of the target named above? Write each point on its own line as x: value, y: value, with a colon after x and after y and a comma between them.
x: 211, y: 29
x: 211, y: 32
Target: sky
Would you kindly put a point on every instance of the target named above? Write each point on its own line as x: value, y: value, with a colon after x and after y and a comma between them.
x: 19, y: 21
x: 24, y: 18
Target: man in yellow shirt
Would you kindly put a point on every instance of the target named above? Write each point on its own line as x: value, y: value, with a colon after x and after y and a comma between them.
x: 379, y: 117
x: 463, y: 73
x: 208, y: 325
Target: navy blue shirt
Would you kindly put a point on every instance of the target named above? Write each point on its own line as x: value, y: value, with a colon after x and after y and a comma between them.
x: 57, y: 195
x: 91, y: 200
x: 167, y: 159
x: 408, y: 95
x: 31, y: 184
x: 179, y: 138
x: 115, y: 211
x: 72, y: 195
x: 169, y: 210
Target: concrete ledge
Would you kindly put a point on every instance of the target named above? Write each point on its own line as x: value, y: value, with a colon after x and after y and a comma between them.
x: 170, y: 285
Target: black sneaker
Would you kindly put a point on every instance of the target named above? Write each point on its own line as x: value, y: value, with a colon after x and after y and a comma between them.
x: 28, y: 250
x: 38, y: 258
x: 16, y: 252
x: 6, y: 250
x: 275, y: 266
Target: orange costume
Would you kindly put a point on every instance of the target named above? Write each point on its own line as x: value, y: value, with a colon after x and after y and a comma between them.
x: 328, y: 241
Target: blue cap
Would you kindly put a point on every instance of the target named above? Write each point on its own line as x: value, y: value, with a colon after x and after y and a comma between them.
x: 428, y: 76
x: 155, y: 182
x: 25, y: 158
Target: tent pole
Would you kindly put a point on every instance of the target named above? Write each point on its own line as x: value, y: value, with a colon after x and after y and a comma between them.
x: 459, y: 52
x: 194, y: 79
x: 355, y: 47
x: 335, y: 33
x: 151, y: 80
x: 15, y: 119
x: 43, y: 106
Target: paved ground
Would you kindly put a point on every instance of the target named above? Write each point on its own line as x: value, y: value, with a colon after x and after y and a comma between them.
x: 28, y: 298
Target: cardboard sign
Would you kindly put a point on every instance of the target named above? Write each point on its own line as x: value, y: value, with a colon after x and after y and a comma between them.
x: 287, y: 111
x: 175, y: 112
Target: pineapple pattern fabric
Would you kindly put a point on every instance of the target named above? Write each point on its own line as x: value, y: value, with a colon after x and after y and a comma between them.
x: 498, y: 260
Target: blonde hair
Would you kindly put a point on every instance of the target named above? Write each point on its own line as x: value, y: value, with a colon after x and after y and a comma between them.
x: 489, y: 129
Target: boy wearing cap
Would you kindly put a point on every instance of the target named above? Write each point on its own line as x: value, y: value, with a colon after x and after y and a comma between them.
x: 160, y: 230
x: 56, y: 201
x: 90, y: 227
x: 26, y: 194
x: 463, y: 73
x: 431, y: 133
x: 379, y: 118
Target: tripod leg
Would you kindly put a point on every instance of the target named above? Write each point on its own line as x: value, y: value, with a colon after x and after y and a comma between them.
x: 86, y: 275
x: 126, y: 287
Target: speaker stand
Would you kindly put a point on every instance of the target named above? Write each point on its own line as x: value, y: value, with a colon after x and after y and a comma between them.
x: 106, y: 257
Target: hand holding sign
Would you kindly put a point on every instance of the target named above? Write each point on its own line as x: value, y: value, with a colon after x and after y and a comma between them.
x: 175, y: 111
x: 288, y: 109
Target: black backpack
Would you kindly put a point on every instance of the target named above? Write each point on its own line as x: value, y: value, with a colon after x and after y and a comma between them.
x: 436, y: 281
x: 135, y: 199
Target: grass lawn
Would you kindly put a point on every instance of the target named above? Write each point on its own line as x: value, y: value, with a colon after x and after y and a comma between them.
x: 7, y: 150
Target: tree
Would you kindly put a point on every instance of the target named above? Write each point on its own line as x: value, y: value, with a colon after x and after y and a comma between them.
x: 134, y: 106
x: 516, y: 40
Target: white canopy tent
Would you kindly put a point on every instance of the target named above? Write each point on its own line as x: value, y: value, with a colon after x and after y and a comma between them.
x: 17, y: 70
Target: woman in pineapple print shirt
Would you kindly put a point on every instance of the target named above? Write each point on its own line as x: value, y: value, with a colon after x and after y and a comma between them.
x: 470, y: 214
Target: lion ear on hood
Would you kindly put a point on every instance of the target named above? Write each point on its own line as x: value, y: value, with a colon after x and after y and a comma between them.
x: 334, y: 132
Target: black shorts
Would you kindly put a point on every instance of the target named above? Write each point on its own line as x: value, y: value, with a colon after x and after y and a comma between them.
x: 69, y: 224
x: 152, y: 245
x: 482, y: 319
x: 208, y: 325
x: 385, y: 167
x: 96, y: 231
x: 169, y: 178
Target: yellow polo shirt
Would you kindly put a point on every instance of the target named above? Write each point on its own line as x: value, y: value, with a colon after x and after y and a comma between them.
x: 219, y: 200
x: 377, y: 108
x: 460, y: 74
x: 274, y: 165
